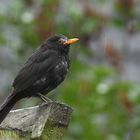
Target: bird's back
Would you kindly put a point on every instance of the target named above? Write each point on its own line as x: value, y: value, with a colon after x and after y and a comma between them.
x: 45, y: 68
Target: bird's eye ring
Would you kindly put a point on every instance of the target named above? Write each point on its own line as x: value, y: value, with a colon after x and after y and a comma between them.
x: 61, y: 41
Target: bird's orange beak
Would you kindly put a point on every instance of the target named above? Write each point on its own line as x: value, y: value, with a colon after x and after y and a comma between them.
x: 71, y: 41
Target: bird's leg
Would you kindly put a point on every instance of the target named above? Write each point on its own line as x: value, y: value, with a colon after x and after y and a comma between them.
x: 44, y: 98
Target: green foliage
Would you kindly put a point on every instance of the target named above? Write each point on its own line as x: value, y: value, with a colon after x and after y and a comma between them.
x: 98, y: 110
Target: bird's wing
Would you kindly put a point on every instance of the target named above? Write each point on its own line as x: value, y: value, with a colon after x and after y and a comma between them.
x: 38, y: 64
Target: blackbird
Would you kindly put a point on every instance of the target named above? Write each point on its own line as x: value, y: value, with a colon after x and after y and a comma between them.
x: 43, y: 72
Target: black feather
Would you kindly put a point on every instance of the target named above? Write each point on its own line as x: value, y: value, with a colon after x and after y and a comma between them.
x: 43, y: 71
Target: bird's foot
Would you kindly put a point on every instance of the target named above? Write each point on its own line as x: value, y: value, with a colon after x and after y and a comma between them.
x: 44, y: 98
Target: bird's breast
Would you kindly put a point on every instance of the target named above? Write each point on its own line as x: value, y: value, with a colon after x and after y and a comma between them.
x: 62, y: 67
x: 56, y: 75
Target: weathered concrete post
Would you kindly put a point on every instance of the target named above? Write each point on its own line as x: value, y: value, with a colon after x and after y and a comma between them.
x: 44, y: 122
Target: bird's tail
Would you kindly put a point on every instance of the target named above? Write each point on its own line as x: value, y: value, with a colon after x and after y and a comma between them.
x: 7, y: 106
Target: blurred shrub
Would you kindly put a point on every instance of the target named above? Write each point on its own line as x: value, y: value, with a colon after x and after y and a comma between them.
x: 105, y: 107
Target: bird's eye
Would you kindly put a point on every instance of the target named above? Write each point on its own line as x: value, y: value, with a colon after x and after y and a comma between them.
x: 61, y: 41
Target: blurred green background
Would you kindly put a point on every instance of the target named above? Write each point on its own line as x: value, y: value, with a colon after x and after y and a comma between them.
x: 102, y: 85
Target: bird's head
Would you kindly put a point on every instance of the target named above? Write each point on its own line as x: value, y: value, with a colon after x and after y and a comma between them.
x: 60, y: 42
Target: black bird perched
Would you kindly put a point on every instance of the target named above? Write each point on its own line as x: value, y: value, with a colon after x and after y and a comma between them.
x: 43, y: 71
